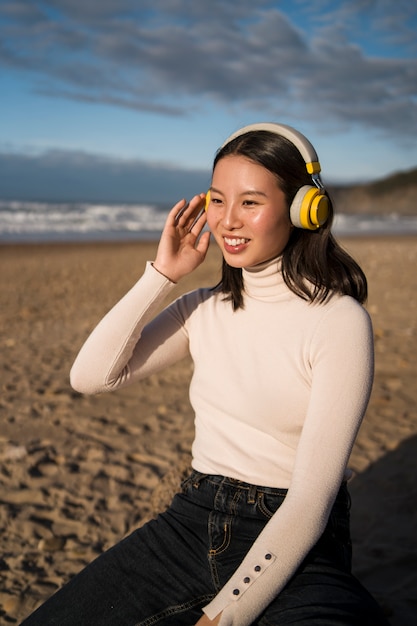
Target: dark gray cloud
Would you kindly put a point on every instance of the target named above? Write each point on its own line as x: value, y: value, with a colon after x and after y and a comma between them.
x: 130, y: 54
x: 75, y: 176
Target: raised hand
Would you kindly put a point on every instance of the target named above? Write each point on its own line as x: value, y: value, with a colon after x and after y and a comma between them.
x: 182, y: 247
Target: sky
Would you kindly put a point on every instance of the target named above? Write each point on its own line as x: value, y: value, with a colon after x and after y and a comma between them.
x: 128, y: 100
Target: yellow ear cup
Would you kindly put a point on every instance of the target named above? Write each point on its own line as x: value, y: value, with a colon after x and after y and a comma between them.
x: 313, y: 212
x: 310, y: 208
x: 207, y: 200
x: 319, y: 210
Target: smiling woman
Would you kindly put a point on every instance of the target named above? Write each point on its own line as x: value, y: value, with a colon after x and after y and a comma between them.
x: 283, y: 363
x: 248, y: 213
x: 313, y: 265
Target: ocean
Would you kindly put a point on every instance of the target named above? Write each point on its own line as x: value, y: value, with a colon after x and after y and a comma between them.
x: 41, y: 222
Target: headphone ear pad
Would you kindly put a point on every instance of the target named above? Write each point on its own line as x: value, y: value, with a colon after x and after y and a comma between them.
x: 207, y: 201
x: 310, y: 208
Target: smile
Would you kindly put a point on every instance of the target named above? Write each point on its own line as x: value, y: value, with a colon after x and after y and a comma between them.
x: 235, y: 242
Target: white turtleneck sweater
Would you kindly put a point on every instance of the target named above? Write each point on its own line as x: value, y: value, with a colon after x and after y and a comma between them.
x: 279, y: 390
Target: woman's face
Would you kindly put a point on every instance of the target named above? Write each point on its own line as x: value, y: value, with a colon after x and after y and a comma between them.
x: 247, y: 214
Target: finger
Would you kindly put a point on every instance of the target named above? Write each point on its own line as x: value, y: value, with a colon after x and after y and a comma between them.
x: 198, y: 221
x: 189, y: 214
x: 176, y: 209
x: 181, y: 212
x: 203, y: 243
x: 198, y: 205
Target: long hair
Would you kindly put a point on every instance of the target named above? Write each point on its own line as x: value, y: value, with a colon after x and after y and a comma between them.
x: 314, y: 266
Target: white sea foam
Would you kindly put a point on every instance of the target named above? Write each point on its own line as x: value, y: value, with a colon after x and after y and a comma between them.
x: 38, y: 221
x: 357, y: 225
x: 30, y: 221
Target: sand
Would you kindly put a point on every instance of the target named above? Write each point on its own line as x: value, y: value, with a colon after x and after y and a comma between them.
x: 78, y: 473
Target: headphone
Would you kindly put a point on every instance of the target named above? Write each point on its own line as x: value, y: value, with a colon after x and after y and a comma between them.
x: 310, y: 207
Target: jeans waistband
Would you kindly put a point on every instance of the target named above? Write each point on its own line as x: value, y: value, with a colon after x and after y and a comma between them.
x: 196, y: 478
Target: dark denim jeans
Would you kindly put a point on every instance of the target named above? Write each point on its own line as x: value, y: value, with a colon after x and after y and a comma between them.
x: 166, y: 571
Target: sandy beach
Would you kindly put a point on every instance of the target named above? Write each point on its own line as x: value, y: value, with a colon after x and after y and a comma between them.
x: 78, y: 473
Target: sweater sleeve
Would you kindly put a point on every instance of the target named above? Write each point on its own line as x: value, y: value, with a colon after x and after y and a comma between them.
x: 130, y: 343
x: 342, y: 372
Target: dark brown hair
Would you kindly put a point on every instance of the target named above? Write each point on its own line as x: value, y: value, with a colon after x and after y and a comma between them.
x: 314, y: 266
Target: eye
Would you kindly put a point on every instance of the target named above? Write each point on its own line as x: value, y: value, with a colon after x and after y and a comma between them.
x: 249, y: 203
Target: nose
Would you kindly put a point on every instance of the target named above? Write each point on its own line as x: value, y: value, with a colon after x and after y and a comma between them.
x: 231, y: 218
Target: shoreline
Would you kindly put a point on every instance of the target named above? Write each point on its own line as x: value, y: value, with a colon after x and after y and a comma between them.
x: 77, y: 473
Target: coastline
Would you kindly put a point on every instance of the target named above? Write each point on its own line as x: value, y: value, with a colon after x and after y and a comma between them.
x: 77, y: 473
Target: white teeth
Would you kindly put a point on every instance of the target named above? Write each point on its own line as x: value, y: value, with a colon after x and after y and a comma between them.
x: 235, y: 242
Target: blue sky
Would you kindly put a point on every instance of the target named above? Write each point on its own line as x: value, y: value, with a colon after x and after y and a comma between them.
x: 129, y: 99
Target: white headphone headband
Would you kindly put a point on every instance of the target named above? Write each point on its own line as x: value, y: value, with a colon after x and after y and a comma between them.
x: 303, y: 145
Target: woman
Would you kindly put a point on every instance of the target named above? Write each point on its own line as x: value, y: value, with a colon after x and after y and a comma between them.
x: 283, y: 366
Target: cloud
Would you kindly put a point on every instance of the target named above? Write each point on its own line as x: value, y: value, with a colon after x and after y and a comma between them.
x: 390, y: 21
x: 173, y: 59
x: 75, y: 176
x: 117, y: 100
x: 357, y: 90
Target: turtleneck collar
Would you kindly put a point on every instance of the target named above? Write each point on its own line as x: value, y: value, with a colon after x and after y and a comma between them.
x: 265, y: 281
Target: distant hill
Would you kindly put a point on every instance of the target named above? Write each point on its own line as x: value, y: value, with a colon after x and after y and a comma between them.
x: 396, y: 193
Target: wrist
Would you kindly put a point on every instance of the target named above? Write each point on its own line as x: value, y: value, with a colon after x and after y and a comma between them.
x: 165, y: 272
